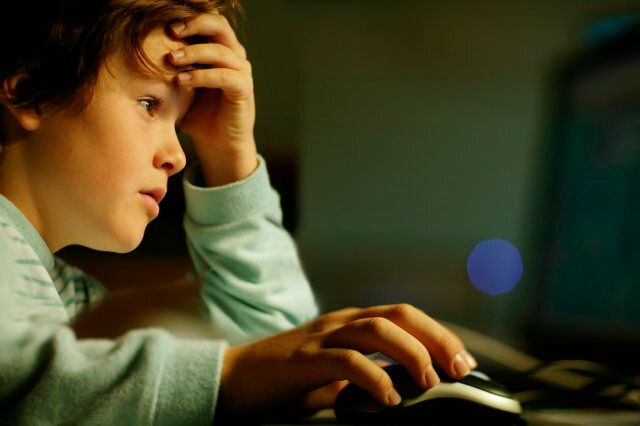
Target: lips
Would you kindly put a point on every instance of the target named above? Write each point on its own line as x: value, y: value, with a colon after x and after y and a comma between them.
x: 156, y: 193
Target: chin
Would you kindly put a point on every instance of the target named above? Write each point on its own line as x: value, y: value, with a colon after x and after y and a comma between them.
x: 121, y: 241
x: 123, y: 249
x: 120, y: 247
x: 128, y: 245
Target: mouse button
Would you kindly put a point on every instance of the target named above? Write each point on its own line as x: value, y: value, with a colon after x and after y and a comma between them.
x: 455, y: 411
x: 459, y: 396
x: 480, y: 374
x: 442, y: 390
x: 486, y: 385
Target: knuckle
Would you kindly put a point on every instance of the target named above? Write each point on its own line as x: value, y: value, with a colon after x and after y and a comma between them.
x: 349, y: 359
x: 376, y: 325
x: 348, y: 311
x: 322, y: 318
x: 321, y: 323
x: 304, y: 353
x: 225, y: 77
x: 403, y: 311
x: 331, y: 320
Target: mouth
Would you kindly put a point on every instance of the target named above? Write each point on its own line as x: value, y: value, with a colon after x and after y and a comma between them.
x: 156, y: 193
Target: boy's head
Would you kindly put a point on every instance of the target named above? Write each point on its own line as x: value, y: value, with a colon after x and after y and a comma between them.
x: 93, y: 103
x: 53, y: 50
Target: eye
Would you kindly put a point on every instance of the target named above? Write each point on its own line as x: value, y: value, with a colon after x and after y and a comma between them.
x: 150, y: 105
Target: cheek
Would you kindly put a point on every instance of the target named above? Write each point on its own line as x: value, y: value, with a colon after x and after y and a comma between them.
x: 117, y: 154
x: 103, y: 182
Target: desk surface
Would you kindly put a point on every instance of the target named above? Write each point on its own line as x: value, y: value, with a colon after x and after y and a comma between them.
x: 546, y: 417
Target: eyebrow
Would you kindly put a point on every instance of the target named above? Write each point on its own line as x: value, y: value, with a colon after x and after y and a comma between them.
x: 169, y: 87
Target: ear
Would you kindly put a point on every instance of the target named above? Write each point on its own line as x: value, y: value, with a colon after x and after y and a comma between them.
x: 28, y: 118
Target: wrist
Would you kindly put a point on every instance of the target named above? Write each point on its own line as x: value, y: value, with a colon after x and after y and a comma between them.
x: 226, y: 405
x: 225, y: 167
x: 228, y: 364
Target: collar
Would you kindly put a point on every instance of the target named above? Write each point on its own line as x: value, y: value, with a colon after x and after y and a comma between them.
x: 28, y: 232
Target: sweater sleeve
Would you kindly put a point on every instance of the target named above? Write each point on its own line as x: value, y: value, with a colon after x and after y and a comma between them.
x: 47, y: 376
x: 145, y: 377
x: 253, y: 284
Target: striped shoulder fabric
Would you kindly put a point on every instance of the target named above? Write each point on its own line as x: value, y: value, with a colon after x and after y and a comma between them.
x: 35, y: 295
x: 78, y: 291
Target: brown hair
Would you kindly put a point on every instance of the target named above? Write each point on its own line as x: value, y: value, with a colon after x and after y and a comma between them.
x: 56, y: 48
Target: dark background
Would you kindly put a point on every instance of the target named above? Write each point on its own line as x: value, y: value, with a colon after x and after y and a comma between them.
x: 400, y: 134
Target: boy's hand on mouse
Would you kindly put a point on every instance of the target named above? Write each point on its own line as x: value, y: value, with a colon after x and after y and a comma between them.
x: 281, y: 372
x: 222, y: 116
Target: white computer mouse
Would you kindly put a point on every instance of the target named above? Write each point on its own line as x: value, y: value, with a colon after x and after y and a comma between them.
x: 476, y: 399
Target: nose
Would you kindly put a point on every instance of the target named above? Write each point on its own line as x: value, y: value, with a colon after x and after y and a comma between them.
x: 170, y: 156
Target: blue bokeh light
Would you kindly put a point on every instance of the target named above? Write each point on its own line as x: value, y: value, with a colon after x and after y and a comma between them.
x: 495, y: 266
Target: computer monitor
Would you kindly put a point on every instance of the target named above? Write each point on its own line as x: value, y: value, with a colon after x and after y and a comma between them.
x: 587, y: 303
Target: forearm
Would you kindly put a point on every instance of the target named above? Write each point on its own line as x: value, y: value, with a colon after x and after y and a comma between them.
x: 253, y: 282
x: 222, y: 167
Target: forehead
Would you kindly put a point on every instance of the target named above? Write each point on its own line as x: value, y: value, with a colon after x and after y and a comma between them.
x: 156, y: 46
x: 155, y: 66
x: 119, y: 75
x: 123, y: 69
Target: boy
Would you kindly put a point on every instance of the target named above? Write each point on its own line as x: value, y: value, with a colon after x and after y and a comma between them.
x: 92, y: 93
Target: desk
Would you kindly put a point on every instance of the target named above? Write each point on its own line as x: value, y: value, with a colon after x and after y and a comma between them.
x: 538, y: 417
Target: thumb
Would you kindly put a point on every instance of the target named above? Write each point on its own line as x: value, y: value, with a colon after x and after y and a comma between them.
x: 324, y: 397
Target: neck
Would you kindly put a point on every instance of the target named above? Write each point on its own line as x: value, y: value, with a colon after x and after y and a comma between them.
x: 18, y: 188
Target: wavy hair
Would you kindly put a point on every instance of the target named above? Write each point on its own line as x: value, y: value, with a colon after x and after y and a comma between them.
x: 56, y: 48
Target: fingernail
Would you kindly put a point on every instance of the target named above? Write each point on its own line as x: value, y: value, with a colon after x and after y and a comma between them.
x: 184, y: 77
x: 177, y: 54
x: 460, y: 366
x: 393, y: 398
x: 178, y: 27
x: 431, y: 377
x: 470, y: 360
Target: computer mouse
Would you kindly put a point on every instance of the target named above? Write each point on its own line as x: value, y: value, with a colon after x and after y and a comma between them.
x: 476, y: 399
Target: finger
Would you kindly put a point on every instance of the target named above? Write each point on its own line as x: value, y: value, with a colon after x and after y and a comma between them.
x: 471, y: 361
x: 345, y: 364
x: 377, y: 334
x: 208, y: 54
x: 447, y: 348
x: 206, y: 1
x: 211, y: 25
x: 235, y: 84
x: 325, y: 397
x: 333, y: 320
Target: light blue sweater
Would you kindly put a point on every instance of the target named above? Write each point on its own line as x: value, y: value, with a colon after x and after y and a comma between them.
x: 252, y: 286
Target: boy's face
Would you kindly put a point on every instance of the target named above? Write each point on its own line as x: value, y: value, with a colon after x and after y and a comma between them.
x: 102, y: 171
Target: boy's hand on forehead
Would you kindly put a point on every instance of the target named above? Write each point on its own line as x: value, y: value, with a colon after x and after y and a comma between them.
x: 222, y: 116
